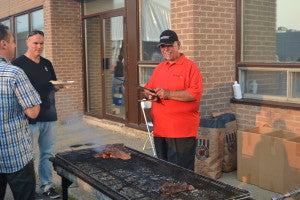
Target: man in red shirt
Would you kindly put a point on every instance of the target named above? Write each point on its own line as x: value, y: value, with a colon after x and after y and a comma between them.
x: 177, y: 83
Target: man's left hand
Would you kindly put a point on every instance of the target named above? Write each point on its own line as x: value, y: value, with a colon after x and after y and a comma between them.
x: 162, y: 93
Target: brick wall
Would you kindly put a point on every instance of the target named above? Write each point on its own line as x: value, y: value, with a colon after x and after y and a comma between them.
x: 259, y: 31
x: 63, y: 46
x: 260, y: 46
x: 249, y: 116
x: 206, y: 29
x: 11, y: 7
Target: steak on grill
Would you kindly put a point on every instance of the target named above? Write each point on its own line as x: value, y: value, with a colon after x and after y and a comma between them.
x: 173, y: 188
x: 114, y: 151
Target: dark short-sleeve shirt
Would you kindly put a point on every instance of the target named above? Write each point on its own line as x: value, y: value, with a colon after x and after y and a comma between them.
x: 40, y: 74
x: 119, y: 70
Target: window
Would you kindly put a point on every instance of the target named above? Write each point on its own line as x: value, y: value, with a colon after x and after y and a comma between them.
x: 281, y: 84
x: 37, y: 20
x: 22, y: 30
x: 295, y: 84
x: 154, y: 18
x: 6, y: 23
x: 264, y: 82
x: 270, y: 49
x: 93, y: 63
x: 97, y: 6
x: 145, y: 73
x: 20, y: 26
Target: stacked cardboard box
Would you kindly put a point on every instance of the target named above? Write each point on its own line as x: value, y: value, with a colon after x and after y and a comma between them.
x: 269, y: 158
x: 292, y: 171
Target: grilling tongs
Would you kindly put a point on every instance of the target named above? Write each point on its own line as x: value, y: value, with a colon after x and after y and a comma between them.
x: 136, y: 85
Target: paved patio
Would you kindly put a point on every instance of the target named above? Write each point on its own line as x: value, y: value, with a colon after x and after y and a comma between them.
x: 107, y: 132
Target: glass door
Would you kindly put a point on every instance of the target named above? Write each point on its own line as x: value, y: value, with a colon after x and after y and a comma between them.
x: 93, y: 66
x: 113, y: 66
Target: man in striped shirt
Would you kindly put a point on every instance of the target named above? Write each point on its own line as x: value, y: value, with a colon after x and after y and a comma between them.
x: 17, y: 98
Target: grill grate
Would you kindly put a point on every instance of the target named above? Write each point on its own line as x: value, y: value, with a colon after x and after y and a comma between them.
x: 140, y: 177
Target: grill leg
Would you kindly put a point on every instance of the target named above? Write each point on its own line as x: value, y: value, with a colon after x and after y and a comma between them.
x: 65, y: 183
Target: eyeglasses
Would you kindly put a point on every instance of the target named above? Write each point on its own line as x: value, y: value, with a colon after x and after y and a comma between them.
x: 32, y: 33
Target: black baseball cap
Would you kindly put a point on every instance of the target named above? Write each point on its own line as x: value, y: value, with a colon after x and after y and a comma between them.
x: 167, y: 37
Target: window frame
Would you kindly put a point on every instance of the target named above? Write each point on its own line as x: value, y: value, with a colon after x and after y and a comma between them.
x: 290, y: 67
x: 287, y: 98
x: 141, y: 67
x: 7, y: 19
x: 144, y: 63
x: 12, y: 19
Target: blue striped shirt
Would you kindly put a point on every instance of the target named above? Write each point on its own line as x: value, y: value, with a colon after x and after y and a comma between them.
x: 16, y: 95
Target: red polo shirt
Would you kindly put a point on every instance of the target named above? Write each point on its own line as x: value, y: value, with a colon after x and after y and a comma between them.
x: 176, y: 119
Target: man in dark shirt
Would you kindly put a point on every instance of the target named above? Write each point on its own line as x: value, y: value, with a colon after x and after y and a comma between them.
x: 118, y: 70
x: 40, y: 72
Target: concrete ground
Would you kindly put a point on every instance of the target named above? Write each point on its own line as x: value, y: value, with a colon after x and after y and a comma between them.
x: 106, y: 132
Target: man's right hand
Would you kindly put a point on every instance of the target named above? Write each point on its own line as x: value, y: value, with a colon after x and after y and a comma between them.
x: 153, y: 98
x: 33, y: 112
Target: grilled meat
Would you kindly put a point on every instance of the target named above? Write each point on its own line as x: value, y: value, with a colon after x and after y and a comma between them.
x: 173, y: 188
x: 114, y: 151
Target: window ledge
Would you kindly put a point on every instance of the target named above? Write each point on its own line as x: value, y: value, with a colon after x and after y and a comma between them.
x: 256, y: 102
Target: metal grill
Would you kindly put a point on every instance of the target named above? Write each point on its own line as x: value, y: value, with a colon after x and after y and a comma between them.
x: 140, y: 177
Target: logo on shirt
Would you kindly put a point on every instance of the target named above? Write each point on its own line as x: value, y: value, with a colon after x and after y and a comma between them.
x: 46, y: 69
x: 177, y: 75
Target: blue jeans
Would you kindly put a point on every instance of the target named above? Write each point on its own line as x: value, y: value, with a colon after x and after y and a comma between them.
x: 46, y: 133
x: 117, y: 85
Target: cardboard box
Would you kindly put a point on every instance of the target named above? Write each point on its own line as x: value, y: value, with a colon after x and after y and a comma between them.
x: 269, y: 158
x: 273, y: 161
x: 249, y: 144
x: 292, y: 168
